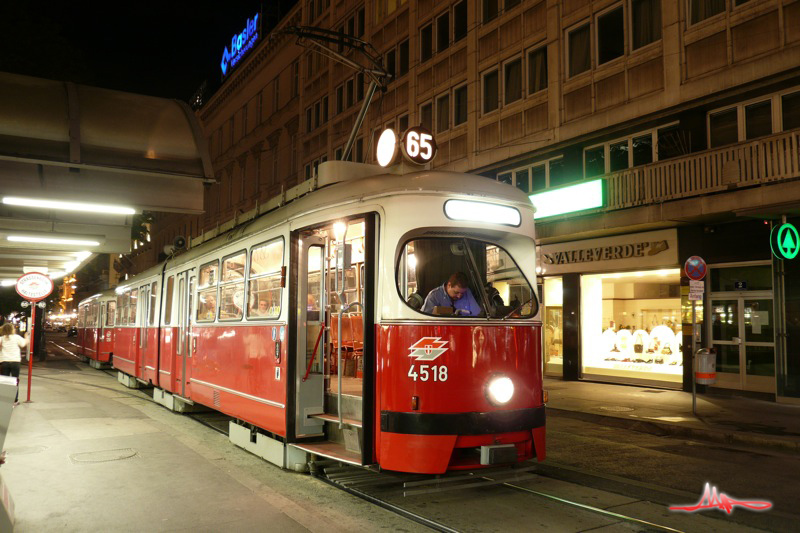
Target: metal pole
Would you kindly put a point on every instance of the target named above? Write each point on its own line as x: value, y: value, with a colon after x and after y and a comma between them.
x: 31, y: 352
x: 339, y: 360
x: 694, y: 359
x: 359, y: 119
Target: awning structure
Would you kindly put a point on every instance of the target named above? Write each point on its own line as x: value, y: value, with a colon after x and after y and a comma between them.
x: 84, y: 145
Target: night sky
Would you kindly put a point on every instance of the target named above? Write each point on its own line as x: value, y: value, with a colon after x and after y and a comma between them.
x: 162, y: 48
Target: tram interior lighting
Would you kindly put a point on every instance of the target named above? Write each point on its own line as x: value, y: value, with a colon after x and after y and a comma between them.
x: 340, y: 231
x: 51, y: 240
x: 587, y: 195
x: 69, y: 206
x: 482, y: 212
x: 56, y: 275
x: 8, y: 282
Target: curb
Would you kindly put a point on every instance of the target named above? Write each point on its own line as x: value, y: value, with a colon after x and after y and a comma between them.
x: 659, y: 428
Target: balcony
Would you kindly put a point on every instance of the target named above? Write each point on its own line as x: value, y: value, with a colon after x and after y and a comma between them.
x: 767, y: 160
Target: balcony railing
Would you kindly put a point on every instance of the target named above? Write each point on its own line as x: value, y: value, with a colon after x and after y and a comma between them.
x: 770, y: 159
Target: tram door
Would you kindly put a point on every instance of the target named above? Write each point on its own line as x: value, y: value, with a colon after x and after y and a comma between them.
x: 184, y: 348
x: 309, y: 372
x: 144, y: 312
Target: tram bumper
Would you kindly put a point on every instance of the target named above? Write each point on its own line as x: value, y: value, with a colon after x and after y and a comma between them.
x: 433, y: 443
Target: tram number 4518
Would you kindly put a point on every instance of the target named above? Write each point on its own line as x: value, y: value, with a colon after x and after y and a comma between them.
x: 428, y: 373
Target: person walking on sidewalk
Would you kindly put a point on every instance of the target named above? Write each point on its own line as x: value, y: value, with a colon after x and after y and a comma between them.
x: 10, y: 354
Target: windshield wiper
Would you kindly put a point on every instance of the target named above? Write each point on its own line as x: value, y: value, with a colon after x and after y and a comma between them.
x: 529, y: 300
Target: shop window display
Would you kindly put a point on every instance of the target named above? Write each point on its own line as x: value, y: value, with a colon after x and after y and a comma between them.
x: 631, y: 326
x: 553, y: 326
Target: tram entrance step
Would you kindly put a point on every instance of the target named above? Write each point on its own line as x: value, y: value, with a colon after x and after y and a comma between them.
x: 335, y: 419
x: 351, y: 405
x: 331, y: 450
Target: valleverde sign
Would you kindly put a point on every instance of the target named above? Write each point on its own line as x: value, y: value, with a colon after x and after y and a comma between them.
x: 241, y: 43
x: 637, y: 250
x: 606, y: 253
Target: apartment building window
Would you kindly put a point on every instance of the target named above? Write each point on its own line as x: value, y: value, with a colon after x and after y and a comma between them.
x: 309, y: 124
x: 594, y: 161
x: 443, y: 113
x: 317, y: 114
x: 351, y: 26
x: 360, y: 86
x: 402, y: 59
x: 536, y: 177
x: 490, y: 10
x: 426, y: 43
x: 723, y: 128
x: 324, y: 109
x: 295, y: 78
x: 790, y: 110
x: 460, y: 21
x: 579, y: 50
x: 276, y: 94
x: 703, y: 9
x: 402, y: 123
x: 391, y: 63
x: 610, y: 35
x: 537, y: 70
x: 758, y: 119
x: 426, y: 116
x: 522, y: 180
x: 646, y: 19
x: 512, y: 81
x: 384, y: 8
x: 349, y: 92
x: 491, y: 91
x: 443, y: 32
x: 339, y: 99
x: 635, y: 150
x: 360, y: 22
x: 460, y: 105
x: 359, y: 149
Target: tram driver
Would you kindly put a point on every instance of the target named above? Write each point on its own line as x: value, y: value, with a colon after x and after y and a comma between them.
x: 455, y: 294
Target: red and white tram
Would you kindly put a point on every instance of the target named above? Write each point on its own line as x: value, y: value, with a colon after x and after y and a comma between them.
x: 96, y: 316
x: 307, y: 325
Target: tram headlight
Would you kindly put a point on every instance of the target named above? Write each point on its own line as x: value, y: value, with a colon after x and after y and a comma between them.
x: 500, y: 390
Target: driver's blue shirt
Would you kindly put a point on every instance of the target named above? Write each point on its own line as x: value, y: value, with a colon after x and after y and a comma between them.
x: 466, y: 305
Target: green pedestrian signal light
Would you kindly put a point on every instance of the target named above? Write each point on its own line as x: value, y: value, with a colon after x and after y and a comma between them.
x: 784, y: 241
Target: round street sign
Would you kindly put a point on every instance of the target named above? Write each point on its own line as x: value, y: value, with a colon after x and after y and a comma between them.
x: 784, y: 241
x: 695, y: 268
x: 34, y: 286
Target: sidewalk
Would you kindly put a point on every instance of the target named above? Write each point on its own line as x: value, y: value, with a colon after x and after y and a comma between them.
x: 725, y: 419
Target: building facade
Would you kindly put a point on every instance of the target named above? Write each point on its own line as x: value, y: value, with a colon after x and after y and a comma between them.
x: 687, y: 112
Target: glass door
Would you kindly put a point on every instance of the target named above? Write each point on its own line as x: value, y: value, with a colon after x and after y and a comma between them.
x: 742, y: 331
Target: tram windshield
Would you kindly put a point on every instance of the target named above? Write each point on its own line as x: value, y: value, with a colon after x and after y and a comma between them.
x: 463, y: 277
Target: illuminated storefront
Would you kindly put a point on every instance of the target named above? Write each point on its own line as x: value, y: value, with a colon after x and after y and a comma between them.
x: 625, y: 293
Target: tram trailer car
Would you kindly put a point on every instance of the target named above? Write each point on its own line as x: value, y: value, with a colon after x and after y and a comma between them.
x: 95, y: 339
x: 308, y: 326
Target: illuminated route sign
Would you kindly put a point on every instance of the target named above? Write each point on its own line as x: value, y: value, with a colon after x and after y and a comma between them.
x: 241, y: 43
x: 784, y: 241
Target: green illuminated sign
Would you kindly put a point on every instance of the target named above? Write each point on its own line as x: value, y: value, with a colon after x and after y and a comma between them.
x: 586, y: 195
x: 784, y: 241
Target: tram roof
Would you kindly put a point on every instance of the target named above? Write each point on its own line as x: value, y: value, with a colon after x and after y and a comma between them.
x: 342, y: 182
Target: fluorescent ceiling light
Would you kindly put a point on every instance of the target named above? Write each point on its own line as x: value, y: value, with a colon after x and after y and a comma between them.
x: 69, y: 206
x: 82, y: 255
x: 482, y: 212
x: 51, y: 240
x: 568, y: 199
x: 8, y: 282
x: 56, y: 275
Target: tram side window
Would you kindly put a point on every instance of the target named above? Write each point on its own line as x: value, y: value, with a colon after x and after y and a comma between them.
x: 207, y: 292
x: 430, y: 273
x: 168, y: 304
x: 132, y: 309
x: 153, y: 297
x: 231, y: 288
x: 122, y: 309
x: 264, y: 284
x: 111, y: 309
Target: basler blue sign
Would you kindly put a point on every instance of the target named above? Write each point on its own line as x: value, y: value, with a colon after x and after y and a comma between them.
x: 241, y: 43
